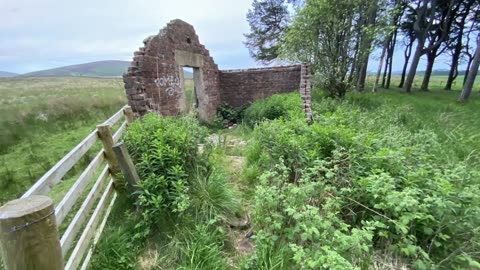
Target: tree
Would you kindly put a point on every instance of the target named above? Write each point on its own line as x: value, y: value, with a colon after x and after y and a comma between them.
x: 473, y: 28
x: 457, y: 47
x: 426, y: 12
x: 406, y: 27
x: 267, y: 20
x: 400, y: 7
x: 440, y: 35
x: 366, y: 35
x: 323, y: 33
x: 472, y: 74
x: 390, y: 51
x: 393, y: 14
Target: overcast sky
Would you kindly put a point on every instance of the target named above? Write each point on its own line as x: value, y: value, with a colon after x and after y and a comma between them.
x: 42, y: 34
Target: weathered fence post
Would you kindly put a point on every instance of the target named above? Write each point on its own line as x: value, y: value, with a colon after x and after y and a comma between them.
x: 29, y: 236
x: 105, y: 135
x: 126, y: 165
x: 128, y: 114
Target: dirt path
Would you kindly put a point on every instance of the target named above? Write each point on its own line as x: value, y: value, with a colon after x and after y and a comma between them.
x: 234, y: 161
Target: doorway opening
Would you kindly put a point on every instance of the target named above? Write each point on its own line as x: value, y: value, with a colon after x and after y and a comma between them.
x: 190, y: 91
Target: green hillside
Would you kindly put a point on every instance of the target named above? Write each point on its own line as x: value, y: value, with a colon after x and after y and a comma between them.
x: 5, y: 74
x: 109, y: 68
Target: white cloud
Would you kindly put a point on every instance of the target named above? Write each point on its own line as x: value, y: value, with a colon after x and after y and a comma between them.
x: 38, y: 33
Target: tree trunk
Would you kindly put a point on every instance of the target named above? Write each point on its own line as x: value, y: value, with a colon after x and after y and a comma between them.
x: 384, y: 77
x: 413, y: 67
x: 452, y: 75
x: 365, y: 47
x: 428, y: 71
x: 362, y: 76
x: 391, y: 50
x: 472, y: 74
x: 467, y: 70
x: 380, y: 63
x: 353, y: 69
x: 407, y: 53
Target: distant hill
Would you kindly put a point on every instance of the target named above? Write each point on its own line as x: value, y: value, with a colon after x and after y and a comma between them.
x: 109, y: 68
x: 187, y: 74
x: 4, y: 74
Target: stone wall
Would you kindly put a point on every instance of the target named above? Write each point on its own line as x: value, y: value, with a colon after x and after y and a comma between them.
x: 241, y: 87
x: 154, y: 81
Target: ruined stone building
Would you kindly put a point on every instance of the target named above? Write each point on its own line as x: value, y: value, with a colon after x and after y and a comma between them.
x: 154, y: 81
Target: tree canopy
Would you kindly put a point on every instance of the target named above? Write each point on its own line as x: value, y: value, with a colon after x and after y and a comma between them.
x: 337, y: 37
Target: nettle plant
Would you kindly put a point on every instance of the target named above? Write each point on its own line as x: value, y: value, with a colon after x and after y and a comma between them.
x: 298, y: 226
x: 165, y: 154
x: 349, y: 176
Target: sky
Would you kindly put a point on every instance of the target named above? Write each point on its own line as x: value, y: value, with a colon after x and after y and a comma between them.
x: 43, y: 34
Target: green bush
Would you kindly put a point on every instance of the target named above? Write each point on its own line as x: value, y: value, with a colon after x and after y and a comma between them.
x: 286, y: 106
x: 164, y: 151
x: 378, y: 176
x: 297, y: 227
x: 183, y: 197
x: 226, y: 114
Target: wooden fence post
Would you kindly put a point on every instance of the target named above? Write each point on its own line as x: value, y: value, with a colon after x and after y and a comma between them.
x: 105, y: 135
x: 29, y: 236
x: 128, y: 114
x: 127, y: 167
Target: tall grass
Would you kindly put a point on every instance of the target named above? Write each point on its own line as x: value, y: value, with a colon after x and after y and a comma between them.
x: 376, y: 172
x: 182, y: 201
x: 44, y: 118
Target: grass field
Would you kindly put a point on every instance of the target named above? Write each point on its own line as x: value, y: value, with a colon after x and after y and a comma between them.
x: 437, y: 82
x: 419, y: 152
x: 44, y: 118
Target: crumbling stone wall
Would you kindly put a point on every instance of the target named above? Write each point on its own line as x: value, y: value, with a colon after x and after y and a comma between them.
x: 154, y: 81
x: 241, y: 87
x: 306, y: 92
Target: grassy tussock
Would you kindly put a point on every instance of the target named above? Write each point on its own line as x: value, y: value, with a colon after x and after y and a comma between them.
x: 43, y: 119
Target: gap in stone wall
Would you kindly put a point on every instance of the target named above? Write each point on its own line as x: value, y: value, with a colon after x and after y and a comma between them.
x: 188, y: 87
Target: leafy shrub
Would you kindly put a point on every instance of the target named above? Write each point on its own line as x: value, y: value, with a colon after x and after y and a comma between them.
x: 296, y: 223
x: 177, y: 181
x: 226, y: 114
x: 331, y: 86
x: 164, y: 151
x: 286, y: 106
x: 378, y: 178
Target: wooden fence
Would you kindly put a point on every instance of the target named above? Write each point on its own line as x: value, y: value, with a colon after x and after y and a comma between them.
x: 75, y: 242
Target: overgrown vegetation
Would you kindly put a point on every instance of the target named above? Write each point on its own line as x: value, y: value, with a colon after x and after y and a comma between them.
x: 337, y: 38
x: 44, y: 118
x: 379, y: 180
x: 182, y: 202
x: 364, y: 177
x: 227, y: 115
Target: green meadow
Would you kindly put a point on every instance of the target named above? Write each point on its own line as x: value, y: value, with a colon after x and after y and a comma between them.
x: 43, y: 119
x: 379, y: 180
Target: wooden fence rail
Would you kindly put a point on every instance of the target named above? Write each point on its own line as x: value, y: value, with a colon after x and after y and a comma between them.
x: 100, y: 197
